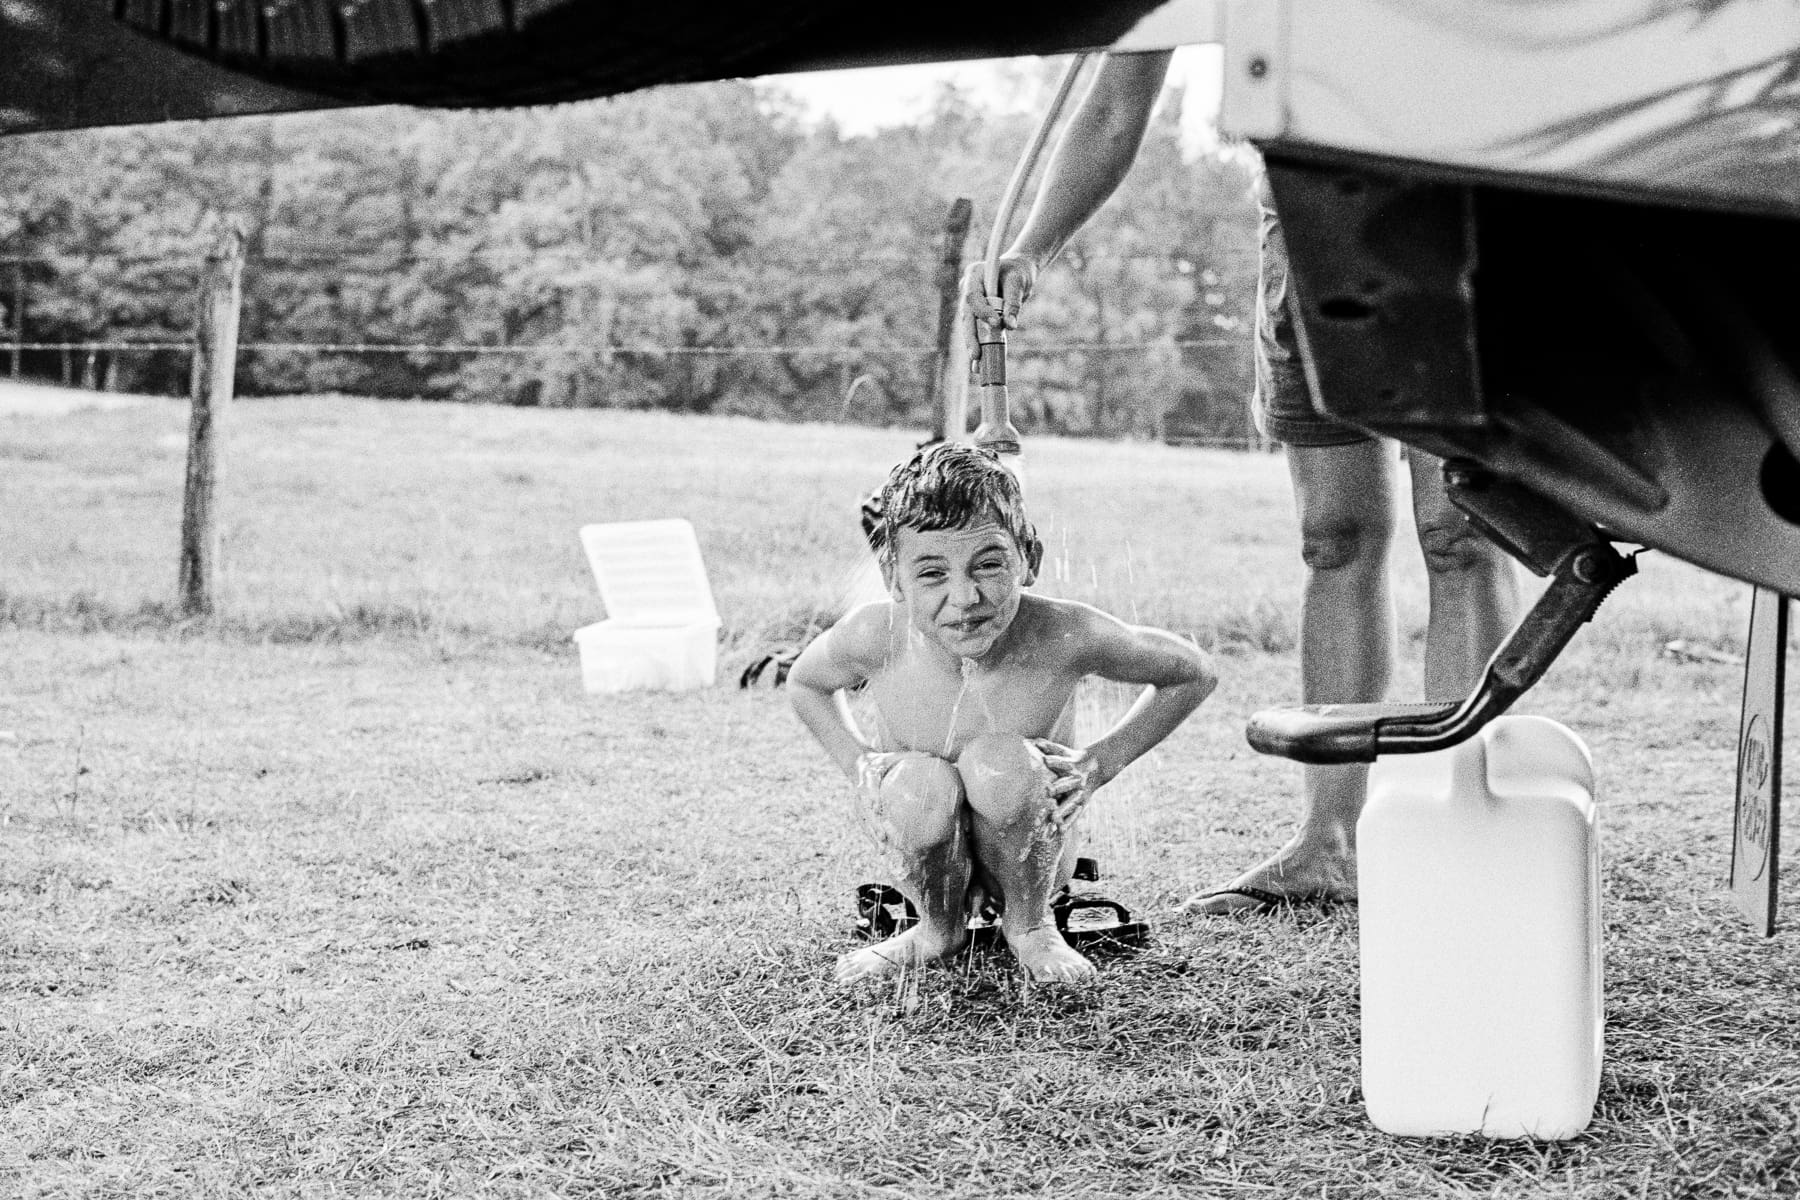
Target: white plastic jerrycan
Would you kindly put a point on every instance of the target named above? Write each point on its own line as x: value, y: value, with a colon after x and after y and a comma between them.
x: 1479, y: 873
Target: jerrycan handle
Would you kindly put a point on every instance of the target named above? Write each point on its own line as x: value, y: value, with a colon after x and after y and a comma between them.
x: 1346, y: 733
x: 1337, y: 733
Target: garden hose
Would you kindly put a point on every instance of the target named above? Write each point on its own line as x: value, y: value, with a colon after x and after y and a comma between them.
x: 996, y: 431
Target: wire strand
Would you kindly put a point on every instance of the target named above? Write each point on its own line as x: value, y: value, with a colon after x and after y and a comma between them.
x: 642, y: 351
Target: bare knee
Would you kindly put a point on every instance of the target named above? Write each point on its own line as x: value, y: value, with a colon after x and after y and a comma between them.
x: 921, y: 802
x: 1453, y: 546
x: 1003, y: 776
x: 1335, y: 541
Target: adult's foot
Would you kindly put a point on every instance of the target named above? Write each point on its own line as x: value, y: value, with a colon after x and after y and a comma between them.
x: 1047, y: 958
x: 913, y: 948
x: 1290, y: 876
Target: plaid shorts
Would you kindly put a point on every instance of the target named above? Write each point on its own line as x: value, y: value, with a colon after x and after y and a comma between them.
x: 1282, y: 403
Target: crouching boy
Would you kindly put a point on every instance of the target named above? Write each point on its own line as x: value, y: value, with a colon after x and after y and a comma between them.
x: 970, y: 785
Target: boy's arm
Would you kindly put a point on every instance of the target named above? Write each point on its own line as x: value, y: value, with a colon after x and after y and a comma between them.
x: 834, y: 661
x: 1177, y: 676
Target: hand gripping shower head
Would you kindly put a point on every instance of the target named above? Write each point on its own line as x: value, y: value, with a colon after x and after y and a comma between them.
x: 996, y: 431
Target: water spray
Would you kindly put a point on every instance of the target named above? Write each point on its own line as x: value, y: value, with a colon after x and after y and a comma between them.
x: 996, y: 431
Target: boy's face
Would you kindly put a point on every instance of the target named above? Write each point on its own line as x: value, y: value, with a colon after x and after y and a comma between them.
x: 961, y: 587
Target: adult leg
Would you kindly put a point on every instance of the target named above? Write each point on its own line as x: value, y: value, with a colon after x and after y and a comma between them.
x: 1474, y: 587
x: 1007, y: 785
x: 918, y: 818
x: 1345, y: 498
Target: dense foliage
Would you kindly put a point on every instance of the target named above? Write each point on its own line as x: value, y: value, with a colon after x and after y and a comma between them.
x: 699, y: 249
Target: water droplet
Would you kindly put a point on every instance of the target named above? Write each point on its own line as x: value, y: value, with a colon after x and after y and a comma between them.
x: 968, y: 667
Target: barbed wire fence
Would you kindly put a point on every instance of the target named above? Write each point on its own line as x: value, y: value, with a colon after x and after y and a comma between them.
x: 1202, y: 380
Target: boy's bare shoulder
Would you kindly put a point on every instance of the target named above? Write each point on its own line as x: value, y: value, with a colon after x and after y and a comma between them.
x: 1095, y: 641
x: 851, y: 651
x: 1068, y: 629
x: 1060, y: 617
x: 861, y: 635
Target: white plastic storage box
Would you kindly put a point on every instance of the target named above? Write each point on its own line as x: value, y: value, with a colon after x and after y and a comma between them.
x: 661, y: 629
x: 1478, y: 869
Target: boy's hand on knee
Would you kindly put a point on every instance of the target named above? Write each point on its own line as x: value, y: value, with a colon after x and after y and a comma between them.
x: 872, y: 766
x: 1074, y: 776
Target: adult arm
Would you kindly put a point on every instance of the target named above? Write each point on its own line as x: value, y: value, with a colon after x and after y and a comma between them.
x: 1090, y: 159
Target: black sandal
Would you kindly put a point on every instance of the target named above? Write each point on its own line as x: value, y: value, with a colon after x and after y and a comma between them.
x: 882, y: 911
x: 1120, y: 933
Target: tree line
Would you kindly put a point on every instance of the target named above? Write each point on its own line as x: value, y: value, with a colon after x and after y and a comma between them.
x: 701, y: 249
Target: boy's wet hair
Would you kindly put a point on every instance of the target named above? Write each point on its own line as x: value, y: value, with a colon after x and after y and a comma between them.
x: 950, y: 486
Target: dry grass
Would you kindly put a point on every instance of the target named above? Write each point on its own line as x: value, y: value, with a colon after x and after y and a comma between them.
x: 352, y: 892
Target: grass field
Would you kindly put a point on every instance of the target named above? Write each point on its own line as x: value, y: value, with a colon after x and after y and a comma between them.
x: 351, y: 891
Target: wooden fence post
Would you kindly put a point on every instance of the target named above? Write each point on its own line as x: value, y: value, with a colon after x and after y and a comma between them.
x: 950, y: 374
x: 18, y: 315
x: 215, y: 360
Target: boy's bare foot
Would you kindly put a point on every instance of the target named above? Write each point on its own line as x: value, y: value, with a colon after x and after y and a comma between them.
x: 1292, y: 874
x: 1047, y: 958
x: 915, y: 947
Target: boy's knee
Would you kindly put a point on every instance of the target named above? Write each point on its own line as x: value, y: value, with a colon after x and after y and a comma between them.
x: 999, y: 755
x: 922, y: 801
x: 1003, y: 774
